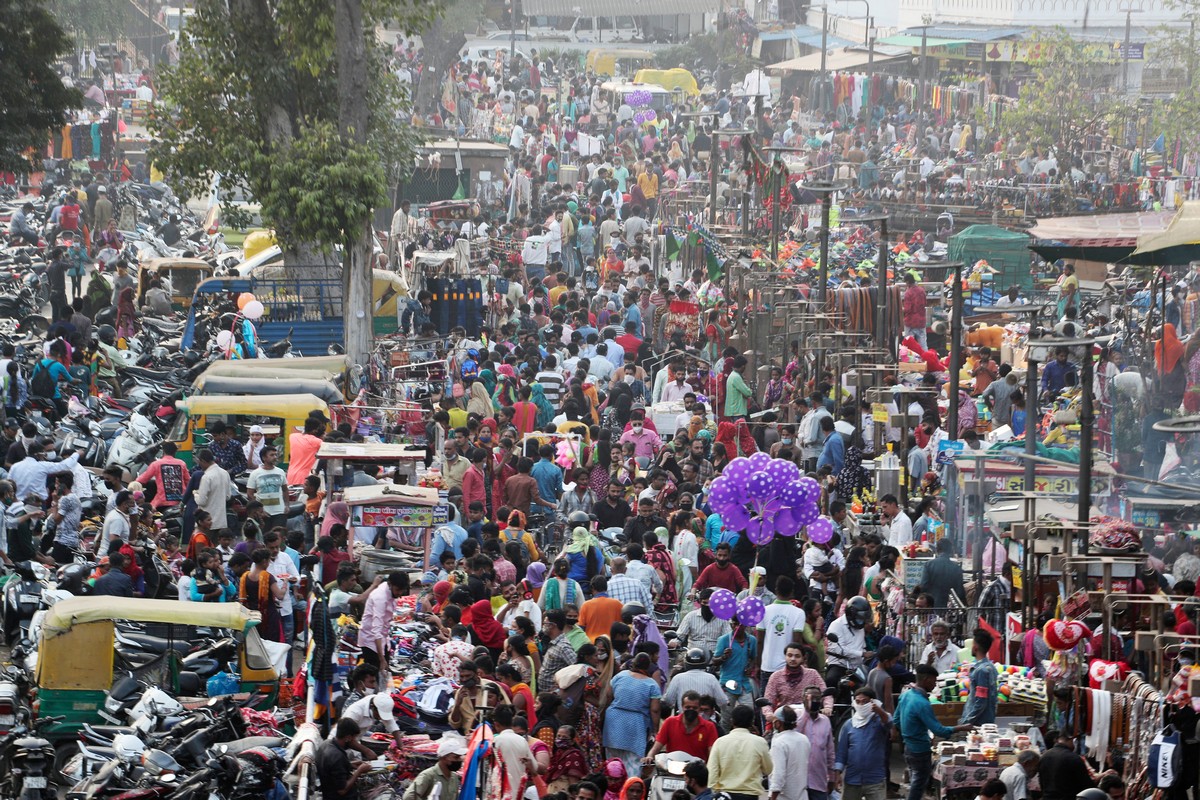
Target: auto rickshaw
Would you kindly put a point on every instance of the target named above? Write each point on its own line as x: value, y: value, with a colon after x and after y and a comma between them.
x: 77, y: 654
x: 610, y: 63
x: 182, y: 276
x: 279, y: 415
x: 317, y: 367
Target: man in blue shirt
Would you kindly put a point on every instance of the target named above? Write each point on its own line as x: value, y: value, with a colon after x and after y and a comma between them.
x: 862, y: 748
x: 733, y: 652
x: 914, y: 716
x: 548, y: 474
x: 833, y: 452
x: 980, y: 707
x: 1055, y: 374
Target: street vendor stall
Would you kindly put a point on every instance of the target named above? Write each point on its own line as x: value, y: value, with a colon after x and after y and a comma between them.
x: 401, y: 458
x: 407, y: 516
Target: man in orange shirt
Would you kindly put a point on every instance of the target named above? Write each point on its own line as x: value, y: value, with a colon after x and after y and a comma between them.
x: 596, y: 616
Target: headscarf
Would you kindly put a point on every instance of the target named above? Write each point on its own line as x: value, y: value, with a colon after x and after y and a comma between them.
x: 488, y: 379
x: 646, y: 630
x: 484, y: 627
x: 630, y: 782
x: 581, y: 541
x: 536, y: 574
x: 337, y: 513
x: 537, y: 396
x: 1168, y: 350
x: 480, y: 401
x: 441, y: 593
x: 614, y: 770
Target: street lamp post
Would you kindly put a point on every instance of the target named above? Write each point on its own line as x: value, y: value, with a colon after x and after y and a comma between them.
x: 825, y: 189
x: 1129, y: 12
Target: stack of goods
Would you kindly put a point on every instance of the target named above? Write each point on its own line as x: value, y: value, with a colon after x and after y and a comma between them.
x: 1111, y: 535
x: 1017, y: 684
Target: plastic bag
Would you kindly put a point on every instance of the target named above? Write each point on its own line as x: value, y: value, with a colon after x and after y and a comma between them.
x: 222, y: 684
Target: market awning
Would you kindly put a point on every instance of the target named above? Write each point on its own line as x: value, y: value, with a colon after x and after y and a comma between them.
x: 1114, y: 238
x: 609, y: 8
x: 910, y: 40
x: 1183, y: 229
x: 847, y: 59
x: 804, y: 34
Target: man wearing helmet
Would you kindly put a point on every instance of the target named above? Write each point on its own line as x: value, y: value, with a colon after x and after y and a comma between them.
x: 695, y: 678
x: 847, y: 638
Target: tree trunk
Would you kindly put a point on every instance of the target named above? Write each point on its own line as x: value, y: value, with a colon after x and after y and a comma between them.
x: 353, y: 117
x: 441, y: 51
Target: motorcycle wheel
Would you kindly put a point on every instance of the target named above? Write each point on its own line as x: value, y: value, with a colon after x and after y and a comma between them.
x: 63, y: 752
x: 34, y: 324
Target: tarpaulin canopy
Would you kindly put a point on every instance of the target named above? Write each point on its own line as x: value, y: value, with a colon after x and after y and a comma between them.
x: 838, y: 60
x: 1183, y: 229
x: 1143, y: 238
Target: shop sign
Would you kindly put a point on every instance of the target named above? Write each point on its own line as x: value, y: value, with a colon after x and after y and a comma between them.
x: 1051, y: 484
x: 400, y: 516
x: 1034, y: 52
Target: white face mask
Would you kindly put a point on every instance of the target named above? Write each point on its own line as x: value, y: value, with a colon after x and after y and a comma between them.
x: 629, y: 379
x: 862, y: 714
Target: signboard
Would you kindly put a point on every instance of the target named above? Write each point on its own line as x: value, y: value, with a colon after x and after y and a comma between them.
x: 1034, y: 52
x: 948, y: 449
x: 400, y: 516
x: 879, y: 413
x: 1146, y: 517
x: 1051, y: 484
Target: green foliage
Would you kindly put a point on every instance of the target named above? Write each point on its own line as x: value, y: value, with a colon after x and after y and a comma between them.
x: 1068, y: 97
x: 1174, y: 49
x: 93, y: 20
x: 255, y: 98
x: 711, y: 48
x: 33, y: 99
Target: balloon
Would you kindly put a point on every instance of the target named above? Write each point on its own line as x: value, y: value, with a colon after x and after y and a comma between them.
x: 721, y: 493
x: 778, y: 469
x: 793, y: 493
x: 759, y: 461
x: 224, y: 339
x: 253, y: 310
x: 723, y: 604
x: 760, y: 486
x: 738, y: 473
x: 786, y: 523
x: 760, y: 531
x: 736, y: 517
x: 243, y: 299
x: 1062, y: 635
x: 811, y: 488
x: 820, y: 530
x: 750, y: 610
x: 651, y: 115
x: 806, y: 514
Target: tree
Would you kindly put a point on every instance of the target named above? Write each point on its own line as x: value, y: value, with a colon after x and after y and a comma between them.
x: 1069, y: 95
x: 442, y: 41
x: 33, y: 99
x: 93, y: 20
x: 292, y: 101
x: 1173, y: 51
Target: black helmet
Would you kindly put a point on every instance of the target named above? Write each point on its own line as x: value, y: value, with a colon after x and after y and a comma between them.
x: 578, y: 519
x: 695, y: 658
x: 857, y: 612
x: 631, y: 610
x: 107, y: 334
x: 73, y: 578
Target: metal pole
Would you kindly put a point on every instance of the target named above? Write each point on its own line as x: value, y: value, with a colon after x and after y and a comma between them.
x: 924, y: 42
x: 823, y: 267
x: 776, y: 183
x: 1087, y: 420
x: 712, y: 163
x: 824, y: 42
x: 883, y: 336
x: 1031, y: 415
x: 512, y: 36
x: 870, y: 52
x: 1125, y: 55
x: 955, y: 350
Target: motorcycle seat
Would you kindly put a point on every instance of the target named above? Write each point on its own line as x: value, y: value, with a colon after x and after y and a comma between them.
x: 192, y: 703
x: 153, y: 644
x: 108, y: 731
x: 242, y: 745
x: 151, y: 374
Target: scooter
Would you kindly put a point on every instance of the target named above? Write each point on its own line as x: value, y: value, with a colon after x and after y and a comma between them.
x: 22, y: 598
x: 668, y: 774
x: 26, y: 761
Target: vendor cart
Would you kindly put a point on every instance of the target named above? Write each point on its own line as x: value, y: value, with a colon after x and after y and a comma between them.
x: 407, y: 515
x: 401, y: 457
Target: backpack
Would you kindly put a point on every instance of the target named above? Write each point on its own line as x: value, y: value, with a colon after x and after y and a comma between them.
x: 68, y: 218
x: 42, y: 383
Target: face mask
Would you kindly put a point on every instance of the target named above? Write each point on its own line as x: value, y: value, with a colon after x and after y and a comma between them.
x: 637, y: 428
x: 455, y: 766
x: 690, y: 714
x: 862, y: 714
x: 453, y: 457
x: 629, y: 379
x: 603, y: 656
x: 814, y: 707
x: 786, y: 440
x: 685, y: 508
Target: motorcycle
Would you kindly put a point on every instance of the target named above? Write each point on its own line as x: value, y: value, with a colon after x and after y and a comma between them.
x: 26, y: 761
x: 22, y: 598
x: 668, y: 774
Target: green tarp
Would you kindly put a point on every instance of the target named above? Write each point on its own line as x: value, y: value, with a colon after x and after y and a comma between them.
x: 1006, y: 251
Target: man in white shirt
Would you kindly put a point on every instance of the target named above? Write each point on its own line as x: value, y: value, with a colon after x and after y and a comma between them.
x: 267, y: 485
x: 900, y: 531
x: 535, y: 253
x: 554, y: 238
x: 513, y: 750
x: 284, y: 569
x: 781, y: 625
x: 809, y: 429
x: 675, y: 390
x: 30, y: 473
x: 213, y: 491
x: 1016, y: 776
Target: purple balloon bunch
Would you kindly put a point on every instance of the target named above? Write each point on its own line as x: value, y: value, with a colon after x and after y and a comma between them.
x: 639, y: 97
x: 764, y: 496
x: 645, y: 116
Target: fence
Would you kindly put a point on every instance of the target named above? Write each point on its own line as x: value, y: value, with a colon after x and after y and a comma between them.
x: 913, y: 626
